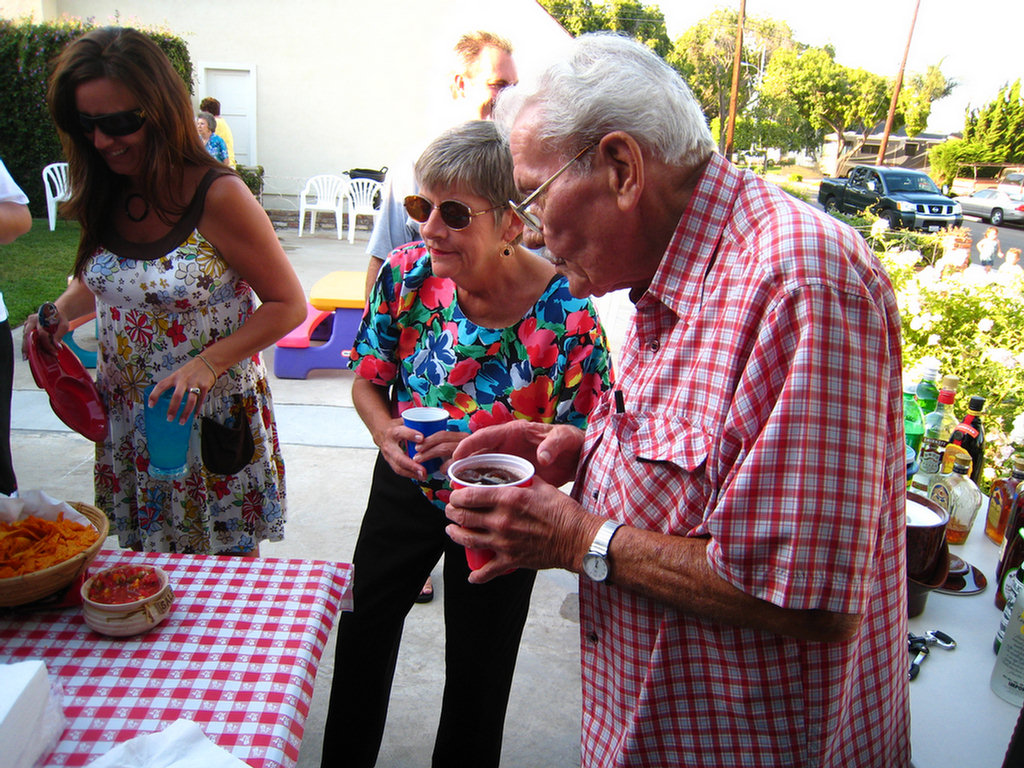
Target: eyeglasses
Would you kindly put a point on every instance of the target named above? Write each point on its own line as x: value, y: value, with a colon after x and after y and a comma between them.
x: 527, y: 217
x: 114, y: 124
x: 454, y: 214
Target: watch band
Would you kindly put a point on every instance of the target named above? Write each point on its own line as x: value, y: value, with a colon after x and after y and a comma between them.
x: 604, y: 537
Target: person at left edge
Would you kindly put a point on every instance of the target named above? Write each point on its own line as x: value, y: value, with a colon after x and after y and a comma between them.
x: 15, y: 221
x: 470, y: 321
x: 189, y: 283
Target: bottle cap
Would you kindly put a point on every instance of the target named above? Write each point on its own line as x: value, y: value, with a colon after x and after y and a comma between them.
x: 947, y: 396
x: 977, y: 403
x: 1018, y: 463
x: 962, y: 461
x: 950, y: 382
x: 929, y: 368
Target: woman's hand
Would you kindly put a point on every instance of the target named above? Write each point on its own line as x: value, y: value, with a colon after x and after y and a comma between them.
x: 394, y: 439
x: 191, y: 383
x: 554, y: 449
x: 75, y: 302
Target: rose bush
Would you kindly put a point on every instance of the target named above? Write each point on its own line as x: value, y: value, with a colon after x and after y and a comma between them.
x: 972, y: 321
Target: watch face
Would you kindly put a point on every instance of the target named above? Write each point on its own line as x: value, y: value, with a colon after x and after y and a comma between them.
x: 595, y: 566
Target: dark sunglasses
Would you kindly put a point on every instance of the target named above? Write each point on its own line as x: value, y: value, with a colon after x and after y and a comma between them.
x: 114, y: 124
x: 454, y: 214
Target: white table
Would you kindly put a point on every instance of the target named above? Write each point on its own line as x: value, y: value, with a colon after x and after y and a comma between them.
x: 956, y: 720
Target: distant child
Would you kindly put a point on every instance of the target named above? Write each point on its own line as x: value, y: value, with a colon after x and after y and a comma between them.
x: 1011, y: 272
x: 988, y: 248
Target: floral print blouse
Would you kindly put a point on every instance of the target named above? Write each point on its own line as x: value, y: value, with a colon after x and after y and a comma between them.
x: 551, y: 366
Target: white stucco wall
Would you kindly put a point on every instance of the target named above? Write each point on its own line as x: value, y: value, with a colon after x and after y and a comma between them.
x: 339, y: 83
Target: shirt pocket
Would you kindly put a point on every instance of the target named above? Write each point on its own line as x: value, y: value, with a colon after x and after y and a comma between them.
x: 662, y: 475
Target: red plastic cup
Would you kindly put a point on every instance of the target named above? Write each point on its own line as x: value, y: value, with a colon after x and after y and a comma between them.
x: 489, y: 470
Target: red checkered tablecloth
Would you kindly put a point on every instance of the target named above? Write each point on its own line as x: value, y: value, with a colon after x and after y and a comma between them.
x: 238, y: 655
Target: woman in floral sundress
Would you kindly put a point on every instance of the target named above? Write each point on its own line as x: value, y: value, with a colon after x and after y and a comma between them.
x: 189, y: 283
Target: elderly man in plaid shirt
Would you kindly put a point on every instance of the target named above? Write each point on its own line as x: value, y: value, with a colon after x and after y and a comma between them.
x: 737, y: 515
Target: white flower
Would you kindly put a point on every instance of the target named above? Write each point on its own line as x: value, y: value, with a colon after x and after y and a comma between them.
x: 1002, y: 356
x: 1017, y: 433
x: 985, y: 324
x: 917, y: 323
x: 880, y: 226
x: 933, y: 340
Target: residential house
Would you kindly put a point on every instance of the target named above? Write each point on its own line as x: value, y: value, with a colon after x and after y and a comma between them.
x: 322, y: 86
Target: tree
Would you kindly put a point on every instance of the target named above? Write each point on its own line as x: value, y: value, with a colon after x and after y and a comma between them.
x: 645, y: 24
x: 827, y: 94
x: 918, y: 94
x: 999, y: 125
x: 704, y: 55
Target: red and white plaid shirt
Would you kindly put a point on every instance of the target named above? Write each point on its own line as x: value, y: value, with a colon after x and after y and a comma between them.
x: 761, y: 380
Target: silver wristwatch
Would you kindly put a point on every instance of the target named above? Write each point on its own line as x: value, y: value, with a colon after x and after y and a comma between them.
x: 595, y: 563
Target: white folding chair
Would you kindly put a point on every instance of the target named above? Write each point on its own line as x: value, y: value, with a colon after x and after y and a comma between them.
x: 364, y: 199
x: 55, y: 180
x: 322, y: 193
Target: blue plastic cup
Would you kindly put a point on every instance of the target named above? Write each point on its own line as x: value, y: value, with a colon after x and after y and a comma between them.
x: 167, y: 441
x: 427, y: 421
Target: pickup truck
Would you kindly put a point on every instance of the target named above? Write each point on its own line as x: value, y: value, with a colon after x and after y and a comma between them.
x: 905, y: 198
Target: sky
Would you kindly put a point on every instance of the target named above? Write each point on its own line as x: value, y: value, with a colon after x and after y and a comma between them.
x: 978, y: 43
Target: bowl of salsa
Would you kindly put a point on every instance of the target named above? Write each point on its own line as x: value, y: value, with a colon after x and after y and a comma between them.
x: 126, y: 599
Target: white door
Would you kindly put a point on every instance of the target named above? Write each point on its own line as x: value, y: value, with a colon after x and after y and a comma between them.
x: 234, y: 86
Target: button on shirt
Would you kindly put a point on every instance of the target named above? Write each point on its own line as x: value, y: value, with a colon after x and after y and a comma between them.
x: 761, y: 381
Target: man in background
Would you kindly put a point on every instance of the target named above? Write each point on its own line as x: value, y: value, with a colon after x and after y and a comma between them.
x: 484, y: 67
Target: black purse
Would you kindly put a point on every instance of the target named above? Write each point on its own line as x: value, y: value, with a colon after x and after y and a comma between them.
x: 227, y: 448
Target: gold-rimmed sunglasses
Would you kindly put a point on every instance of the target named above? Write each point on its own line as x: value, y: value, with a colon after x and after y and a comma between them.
x: 455, y: 215
x: 520, y: 209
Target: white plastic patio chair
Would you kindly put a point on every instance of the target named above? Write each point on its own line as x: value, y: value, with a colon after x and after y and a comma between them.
x: 322, y: 193
x: 55, y: 180
x: 364, y: 199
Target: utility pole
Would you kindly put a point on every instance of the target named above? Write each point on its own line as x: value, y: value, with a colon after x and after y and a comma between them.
x: 736, y: 63
x: 896, y: 90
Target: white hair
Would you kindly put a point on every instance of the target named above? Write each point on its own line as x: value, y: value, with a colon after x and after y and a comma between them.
x: 611, y: 83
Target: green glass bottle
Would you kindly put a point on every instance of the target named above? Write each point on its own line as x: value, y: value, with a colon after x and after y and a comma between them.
x: 913, y: 419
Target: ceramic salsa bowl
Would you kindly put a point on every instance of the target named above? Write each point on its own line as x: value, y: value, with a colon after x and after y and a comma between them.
x: 126, y: 599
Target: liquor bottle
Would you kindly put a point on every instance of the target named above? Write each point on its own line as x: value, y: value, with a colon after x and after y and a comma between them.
x: 1012, y: 590
x: 1007, y: 679
x: 1013, y: 583
x: 913, y: 419
x: 1001, y: 497
x: 938, y: 426
x: 969, y: 438
x: 1011, y: 553
x: 927, y: 391
x: 957, y: 494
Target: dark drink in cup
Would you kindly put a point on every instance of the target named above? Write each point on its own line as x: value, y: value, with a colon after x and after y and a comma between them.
x: 488, y: 470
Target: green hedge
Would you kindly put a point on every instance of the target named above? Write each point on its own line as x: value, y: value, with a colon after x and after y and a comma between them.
x: 28, y: 139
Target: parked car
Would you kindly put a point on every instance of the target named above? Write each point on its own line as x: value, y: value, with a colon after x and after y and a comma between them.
x: 903, y: 197
x: 993, y: 205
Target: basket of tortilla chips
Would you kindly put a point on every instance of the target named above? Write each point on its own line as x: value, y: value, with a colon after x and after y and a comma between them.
x: 43, y: 553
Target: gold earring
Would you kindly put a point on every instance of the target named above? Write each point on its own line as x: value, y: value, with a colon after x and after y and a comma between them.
x: 507, y: 250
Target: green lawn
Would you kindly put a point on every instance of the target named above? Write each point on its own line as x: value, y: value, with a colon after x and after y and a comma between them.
x: 35, y: 267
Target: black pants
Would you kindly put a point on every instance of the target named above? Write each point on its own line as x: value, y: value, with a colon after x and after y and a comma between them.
x: 8, y: 483
x: 401, y: 539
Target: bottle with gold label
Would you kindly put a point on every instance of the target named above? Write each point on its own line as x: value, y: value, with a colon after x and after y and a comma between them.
x: 957, y: 494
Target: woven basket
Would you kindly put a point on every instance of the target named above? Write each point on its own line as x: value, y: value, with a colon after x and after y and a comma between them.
x: 30, y: 587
